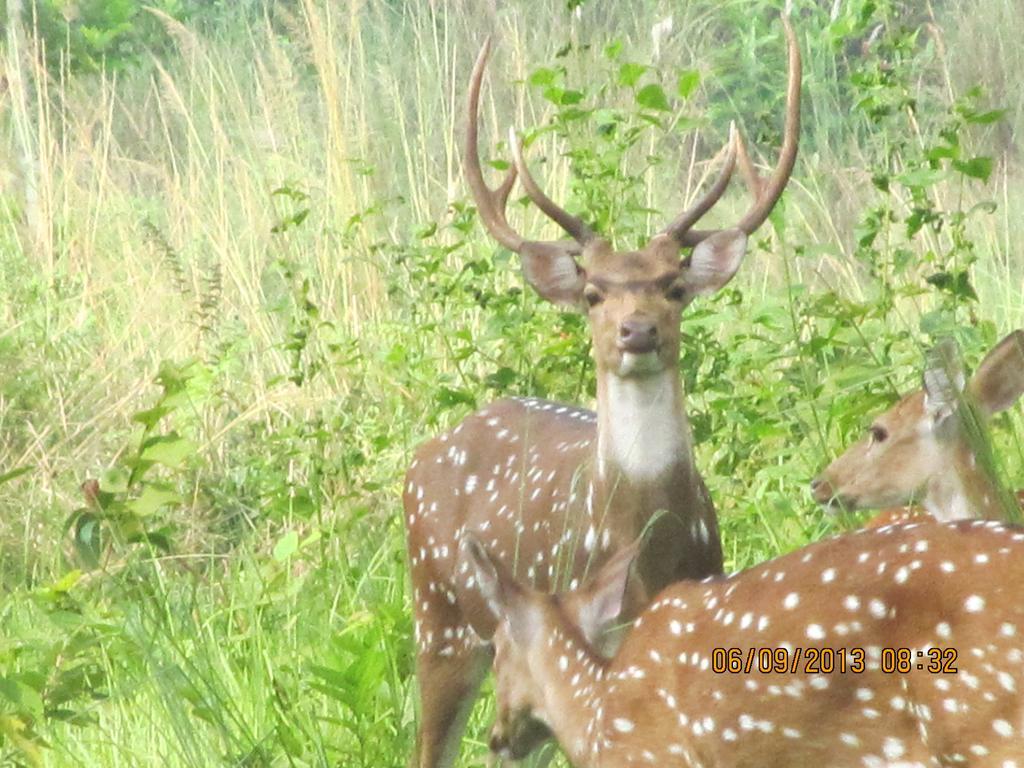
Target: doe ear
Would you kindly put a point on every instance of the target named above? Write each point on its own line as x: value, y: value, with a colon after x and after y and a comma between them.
x: 999, y: 381
x: 599, y: 602
x: 944, y: 379
x: 506, y: 599
x: 486, y: 573
x: 715, y: 260
x: 552, y: 270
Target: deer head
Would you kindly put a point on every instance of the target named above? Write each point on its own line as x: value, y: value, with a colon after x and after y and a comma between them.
x: 633, y: 299
x: 928, y: 434
x: 526, y: 618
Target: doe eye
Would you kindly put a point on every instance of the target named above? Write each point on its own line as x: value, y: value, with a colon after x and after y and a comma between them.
x: 676, y: 293
x: 878, y: 434
x: 593, y: 298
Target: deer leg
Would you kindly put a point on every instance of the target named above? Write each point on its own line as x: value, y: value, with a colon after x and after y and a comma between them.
x: 448, y: 689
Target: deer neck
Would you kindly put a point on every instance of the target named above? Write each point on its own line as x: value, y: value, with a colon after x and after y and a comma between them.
x: 571, y: 677
x: 967, y: 488
x: 643, y: 435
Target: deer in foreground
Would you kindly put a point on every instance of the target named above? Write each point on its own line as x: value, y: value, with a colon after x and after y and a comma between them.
x: 901, y: 646
x: 553, y: 489
x: 931, y: 448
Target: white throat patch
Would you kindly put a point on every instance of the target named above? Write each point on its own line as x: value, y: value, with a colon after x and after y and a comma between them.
x: 646, y: 428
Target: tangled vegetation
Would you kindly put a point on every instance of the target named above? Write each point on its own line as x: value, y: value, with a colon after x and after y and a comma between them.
x: 242, y: 278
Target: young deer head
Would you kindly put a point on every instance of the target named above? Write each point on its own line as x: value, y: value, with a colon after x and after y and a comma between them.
x: 556, y: 491
x: 593, y: 610
x: 897, y: 646
x: 931, y: 446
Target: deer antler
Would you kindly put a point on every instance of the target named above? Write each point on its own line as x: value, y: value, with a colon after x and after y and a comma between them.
x: 691, y: 215
x: 490, y: 202
x: 765, y: 193
x: 573, y: 225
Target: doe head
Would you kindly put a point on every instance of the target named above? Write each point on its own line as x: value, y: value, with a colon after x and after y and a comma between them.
x: 927, y: 431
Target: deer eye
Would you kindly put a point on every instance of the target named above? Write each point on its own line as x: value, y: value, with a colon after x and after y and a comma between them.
x: 676, y: 293
x: 593, y: 297
x: 878, y: 434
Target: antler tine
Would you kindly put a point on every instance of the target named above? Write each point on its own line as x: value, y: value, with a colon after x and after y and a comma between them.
x: 790, y: 140
x: 490, y: 203
x: 770, y: 191
x: 679, y: 226
x: 500, y: 195
x: 573, y: 225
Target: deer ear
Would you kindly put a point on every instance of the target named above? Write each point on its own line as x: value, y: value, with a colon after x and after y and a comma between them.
x: 599, y: 603
x: 552, y: 270
x: 506, y: 599
x: 944, y: 380
x: 715, y: 260
x: 485, y: 572
x: 999, y: 381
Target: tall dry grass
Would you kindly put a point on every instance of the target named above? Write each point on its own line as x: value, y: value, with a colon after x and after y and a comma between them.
x: 137, y: 224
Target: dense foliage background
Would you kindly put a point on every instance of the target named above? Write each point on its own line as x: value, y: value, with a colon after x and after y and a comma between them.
x: 241, y: 278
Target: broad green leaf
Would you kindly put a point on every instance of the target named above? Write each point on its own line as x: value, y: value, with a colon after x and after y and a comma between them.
x: 174, y: 377
x: 66, y: 582
x: 501, y: 379
x: 567, y: 97
x: 983, y: 118
x: 170, y: 450
x: 630, y: 73
x: 448, y: 397
x: 25, y: 698
x: 977, y: 167
x: 689, y: 79
x: 286, y: 546
x: 943, y: 152
x: 652, y: 97
x: 114, y: 480
x: 87, y: 539
x: 922, y: 177
x: 153, y: 496
x: 613, y: 49
x: 290, y: 222
x: 544, y: 76
x: 938, y: 323
x: 151, y: 416
x: 956, y: 284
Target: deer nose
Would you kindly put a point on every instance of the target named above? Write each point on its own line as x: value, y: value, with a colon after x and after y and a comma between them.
x: 822, y: 490
x: 638, y: 336
x: 498, y: 743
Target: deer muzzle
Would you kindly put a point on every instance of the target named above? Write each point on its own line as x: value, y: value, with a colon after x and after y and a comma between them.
x: 638, y: 336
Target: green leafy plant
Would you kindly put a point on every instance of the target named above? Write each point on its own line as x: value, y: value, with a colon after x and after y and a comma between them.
x: 232, y: 588
x: 124, y: 507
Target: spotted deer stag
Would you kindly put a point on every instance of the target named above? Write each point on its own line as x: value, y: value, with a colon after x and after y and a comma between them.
x: 931, y: 448
x: 901, y: 646
x: 553, y: 489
